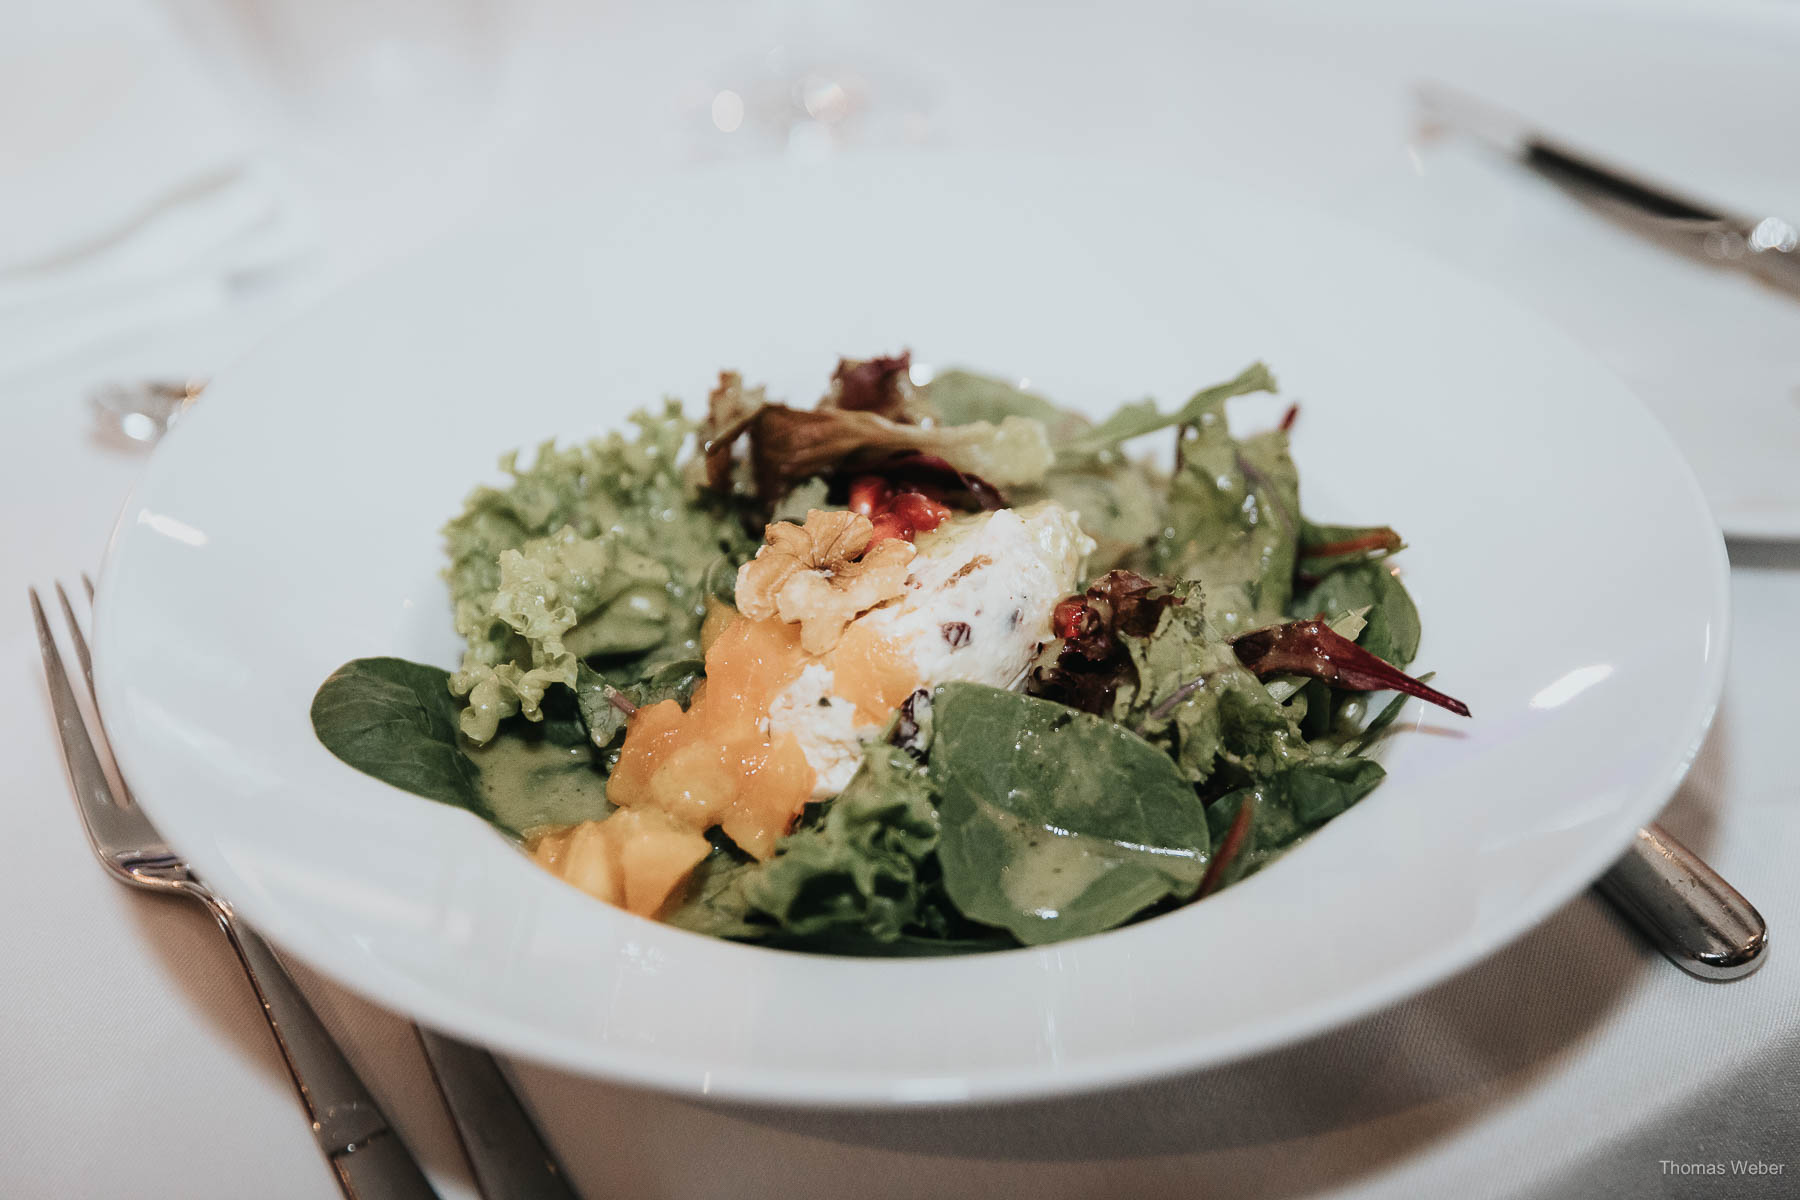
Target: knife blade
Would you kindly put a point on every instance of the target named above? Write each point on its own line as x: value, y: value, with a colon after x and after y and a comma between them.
x: 1765, y: 248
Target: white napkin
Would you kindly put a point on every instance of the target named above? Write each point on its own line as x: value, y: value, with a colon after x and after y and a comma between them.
x: 131, y: 193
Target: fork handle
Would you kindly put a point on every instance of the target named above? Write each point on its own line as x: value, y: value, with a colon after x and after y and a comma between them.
x: 366, y: 1154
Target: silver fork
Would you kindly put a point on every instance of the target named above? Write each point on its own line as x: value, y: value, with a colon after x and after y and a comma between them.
x: 366, y: 1154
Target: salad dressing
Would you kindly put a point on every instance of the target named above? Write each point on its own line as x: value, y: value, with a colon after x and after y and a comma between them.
x: 715, y: 763
x: 534, y: 784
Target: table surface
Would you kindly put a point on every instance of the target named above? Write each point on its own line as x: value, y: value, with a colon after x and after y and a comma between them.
x: 1574, y: 1063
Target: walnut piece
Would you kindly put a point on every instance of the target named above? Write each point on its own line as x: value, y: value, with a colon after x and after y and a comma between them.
x: 823, y: 575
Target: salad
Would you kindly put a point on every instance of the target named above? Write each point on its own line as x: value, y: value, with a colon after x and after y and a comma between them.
x: 931, y: 667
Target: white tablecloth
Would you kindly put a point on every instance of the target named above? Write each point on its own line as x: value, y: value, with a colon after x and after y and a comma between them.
x: 1576, y: 1063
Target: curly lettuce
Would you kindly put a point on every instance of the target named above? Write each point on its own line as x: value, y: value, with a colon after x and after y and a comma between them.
x: 562, y: 597
x: 599, y: 550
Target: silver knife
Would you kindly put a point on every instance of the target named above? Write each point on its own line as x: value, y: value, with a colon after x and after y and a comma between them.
x: 509, y: 1157
x: 1766, y: 248
x: 1703, y: 924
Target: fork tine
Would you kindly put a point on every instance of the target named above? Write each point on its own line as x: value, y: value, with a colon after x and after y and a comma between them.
x: 123, y: 838
x: 122, y: 798
x: 86, y: 774
x: 76, y: 640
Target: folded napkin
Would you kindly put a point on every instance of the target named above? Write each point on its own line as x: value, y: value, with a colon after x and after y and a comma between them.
x: 132, y: 194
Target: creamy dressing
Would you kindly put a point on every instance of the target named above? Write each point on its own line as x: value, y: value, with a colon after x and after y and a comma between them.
x: 1057, y: 866
x: 533, y: 783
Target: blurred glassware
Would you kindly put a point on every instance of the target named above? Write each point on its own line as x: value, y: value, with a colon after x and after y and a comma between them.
x: 416, y: 67
x: 138, y: 414
x: 816, y: 88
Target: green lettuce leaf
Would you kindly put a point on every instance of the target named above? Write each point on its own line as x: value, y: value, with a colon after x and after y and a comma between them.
x: 1120, y: 504
x: 716, y: 903
x: 1233, y: 522
x: 858, y: 867
x: 592, y: 551
x: 1057, y: 823
x: 858, y: 876
x: 1191, y: 697
x: 563, y: 597
x: 1136, y: 420
x: 962, y: 398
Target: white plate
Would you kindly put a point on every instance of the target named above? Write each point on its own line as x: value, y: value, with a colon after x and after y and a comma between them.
x: 1572, y: 584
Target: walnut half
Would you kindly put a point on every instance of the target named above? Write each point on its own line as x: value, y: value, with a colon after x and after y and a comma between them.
x: 823, y: 575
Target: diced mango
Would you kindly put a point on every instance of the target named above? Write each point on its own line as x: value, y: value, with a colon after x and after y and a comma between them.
x: 655, y: 858
x: 586, y: 856
x: 695, y: 785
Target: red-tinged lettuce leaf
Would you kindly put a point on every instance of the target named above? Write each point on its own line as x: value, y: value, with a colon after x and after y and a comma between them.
x: 730, y: 408
x: 876, y: 385
x: 788, y: 445
x: 1393, y: 631
x: 1093, y: 661
x: 1284, y: 808
x: 1313, y: 648
x: 1324, y: 548
x: 1227, y: 851
x: 963, y: 489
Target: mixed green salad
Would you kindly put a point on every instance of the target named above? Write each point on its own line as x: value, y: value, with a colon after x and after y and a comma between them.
x: 934, y: 666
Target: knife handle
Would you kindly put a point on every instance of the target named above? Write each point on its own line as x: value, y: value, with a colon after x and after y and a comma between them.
x: 1690, y: 913
x: 509, y: 1157
x: 1768, y: 250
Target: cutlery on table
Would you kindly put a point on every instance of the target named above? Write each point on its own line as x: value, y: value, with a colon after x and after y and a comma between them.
x: 510, y: 1159
x: 1685, y: 908
x: 366, y: 1154
x: 1767, y: 248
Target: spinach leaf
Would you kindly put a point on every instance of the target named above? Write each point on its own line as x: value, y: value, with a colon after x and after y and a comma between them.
x: 1392, y: 633
x: 397, y: 721
x: 605, y: 706
x: 1135, y: 420
x: 1290, y: 804
x: 1057, y: 823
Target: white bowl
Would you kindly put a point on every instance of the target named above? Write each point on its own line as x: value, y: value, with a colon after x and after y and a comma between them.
x: 1572, y: 586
